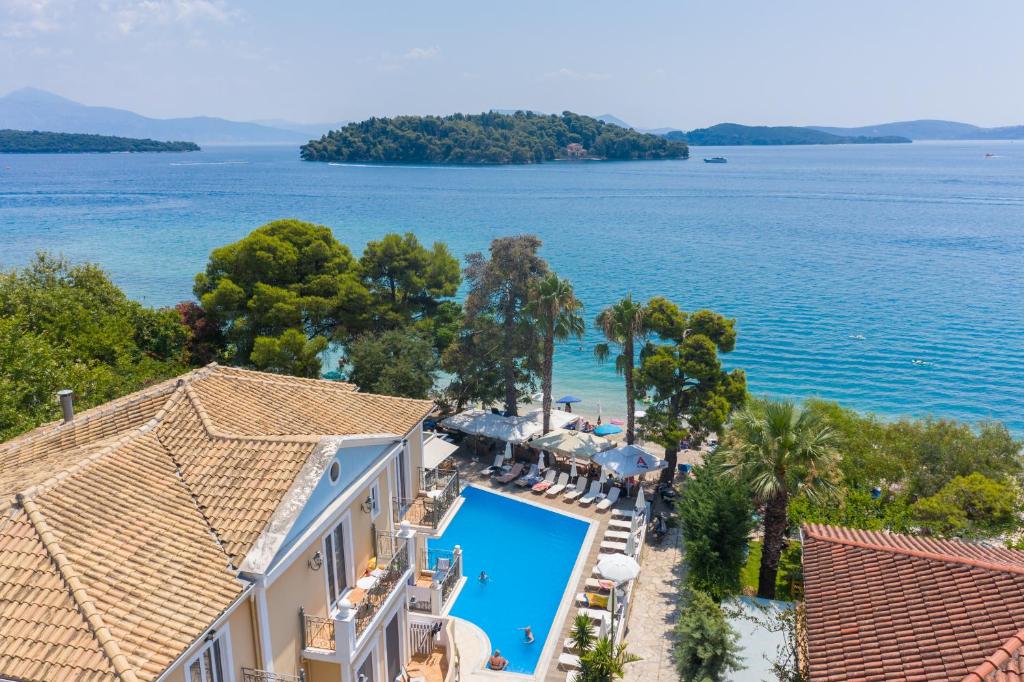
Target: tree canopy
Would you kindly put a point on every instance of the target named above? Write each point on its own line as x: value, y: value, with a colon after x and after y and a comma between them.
x: 39, y: 142
x: 706, y: 647
x: 488, y: 138
x: 69, y: 326
x: 394, y: 362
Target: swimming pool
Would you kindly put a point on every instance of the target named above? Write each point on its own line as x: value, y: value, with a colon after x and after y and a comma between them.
x: 528, y: 553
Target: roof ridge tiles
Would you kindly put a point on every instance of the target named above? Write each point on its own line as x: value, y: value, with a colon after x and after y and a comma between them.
x: 813, y: 531
x: 86, y: 606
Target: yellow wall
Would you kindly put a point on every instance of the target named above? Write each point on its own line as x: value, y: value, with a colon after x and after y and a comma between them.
x: 320, y: 671
x: 416, y: 457
x: 299, y: 586
x: 243, y: 645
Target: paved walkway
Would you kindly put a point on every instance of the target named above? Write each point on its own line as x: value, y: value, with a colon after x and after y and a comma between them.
x: 655, y: 611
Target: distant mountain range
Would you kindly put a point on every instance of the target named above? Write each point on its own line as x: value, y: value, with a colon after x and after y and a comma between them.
x: 729, y: 134
x: 32, y: 109
x: 911, y: 130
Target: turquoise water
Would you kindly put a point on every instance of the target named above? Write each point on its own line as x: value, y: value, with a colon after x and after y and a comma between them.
x: 916, y: 248
x: 528, y: 554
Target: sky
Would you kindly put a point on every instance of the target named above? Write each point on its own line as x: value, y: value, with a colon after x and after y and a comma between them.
x: 653, y: 63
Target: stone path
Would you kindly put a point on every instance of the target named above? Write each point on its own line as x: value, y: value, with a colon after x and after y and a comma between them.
x: 654, y: 611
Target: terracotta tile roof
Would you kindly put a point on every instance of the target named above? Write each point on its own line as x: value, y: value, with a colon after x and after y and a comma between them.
x: 882, y: 606
x: 121, y: 532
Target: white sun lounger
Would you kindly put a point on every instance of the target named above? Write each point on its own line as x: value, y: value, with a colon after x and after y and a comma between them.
x: 571, y: 676
x: 494, y: 467
x: 561, y: 484
x: 593, y: 494
x: 616, y: 535
x: 597, y: 615
x: 610, y: 499
x: 620, y: 524
x: 581, y: 485
x: 568, y: 661
x: 598, y: 585
x: 549, y: 480
x: 610, y: 547
x: 624, y: 513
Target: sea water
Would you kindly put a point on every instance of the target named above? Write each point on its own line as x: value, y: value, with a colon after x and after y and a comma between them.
x: 887, y: 277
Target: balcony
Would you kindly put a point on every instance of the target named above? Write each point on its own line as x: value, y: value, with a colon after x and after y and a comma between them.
x: 439, y: 575
x: 335, y: 638
x: 439, y: 489
x: 253, y: 675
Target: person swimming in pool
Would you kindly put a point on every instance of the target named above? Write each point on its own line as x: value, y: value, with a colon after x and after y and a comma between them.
x: 484, y: 577
x: 528, y: 634
x: 497, y: 662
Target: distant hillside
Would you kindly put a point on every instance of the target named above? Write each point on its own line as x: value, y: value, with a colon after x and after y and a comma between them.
x: 728, y: 134
x: 489, y: 138
x: 304, y: 129
x: 614, y: 120
x: 31, y: 109
x: 932, y: 130
x: 36, y: 142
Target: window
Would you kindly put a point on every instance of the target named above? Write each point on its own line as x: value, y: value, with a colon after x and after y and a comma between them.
x: 335, y: 471
x: 337, y: 573
x: 212, y: 663
x: 374, y: 500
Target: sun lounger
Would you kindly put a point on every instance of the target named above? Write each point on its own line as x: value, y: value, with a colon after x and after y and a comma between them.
x: 571, y: 676
x: 597, y: 615
x: 512, y: 474
x: 549, y: 480
x: 620, y: 524
x: 613, y: 547
x: 597, y: 585
x: 577, y: 490
x: 616, y: 535
x: 559, y: 486
x: 568, y: 661
x: 529, y: 478
x: 593, y: 494
x: 494, y: 467
x: 592, y: 600
x: 610, y: 499
x: 624, y: 513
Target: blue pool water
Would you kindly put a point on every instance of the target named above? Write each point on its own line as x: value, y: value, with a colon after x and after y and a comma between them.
x: 528, y: 553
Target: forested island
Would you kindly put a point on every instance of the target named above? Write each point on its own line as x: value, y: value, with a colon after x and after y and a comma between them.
x: 729, y: 134
x: 40, y: 142
x: 489, y: 138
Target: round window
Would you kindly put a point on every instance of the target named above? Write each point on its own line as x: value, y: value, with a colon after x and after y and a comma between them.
x: 335, y: 471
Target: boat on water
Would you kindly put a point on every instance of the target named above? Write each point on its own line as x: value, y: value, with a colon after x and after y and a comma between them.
x: 716, y: 159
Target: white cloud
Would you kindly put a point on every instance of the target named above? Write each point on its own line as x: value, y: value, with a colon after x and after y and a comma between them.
x: 570, y: 74
x: 420, y: 53
x: 130, y: 16
x: 26, y: 18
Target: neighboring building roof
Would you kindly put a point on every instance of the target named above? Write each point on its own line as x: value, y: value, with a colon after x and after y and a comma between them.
x: 121, y: 532
x: 882, y: 606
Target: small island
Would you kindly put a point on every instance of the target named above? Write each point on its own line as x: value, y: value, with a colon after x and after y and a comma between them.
x: 41, y: 142
x: 732, y: 134
x: 489, y: 138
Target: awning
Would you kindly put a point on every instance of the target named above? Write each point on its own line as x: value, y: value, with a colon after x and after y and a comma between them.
x: 572, y: 443
x: 629, y: 460
x: 509, y: 429
x: 437, y: 450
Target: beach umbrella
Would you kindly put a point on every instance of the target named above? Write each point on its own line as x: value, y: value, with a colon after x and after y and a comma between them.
x: 568, y: 399
x: 508, y: 451
x: 618, y: 568
x: 617, y: 422
x: 540, y: 460
x: 629, y: 460
x: 571, y: 443
x: 639, y: 414
x: 603, y: 479
x: 607, y: 429
x: 572, y: 469
x: 641, y: 502
x: 631, y: 544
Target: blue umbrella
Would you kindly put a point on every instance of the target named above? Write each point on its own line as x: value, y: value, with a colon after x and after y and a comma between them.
x: 568, y: 399
x: 607, y: 430
x: 334, y: 375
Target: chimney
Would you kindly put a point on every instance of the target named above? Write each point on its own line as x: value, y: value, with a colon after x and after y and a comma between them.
x: 67, y: 404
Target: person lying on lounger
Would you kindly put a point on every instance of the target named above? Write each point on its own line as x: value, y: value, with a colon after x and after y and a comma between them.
x: 497, y: 662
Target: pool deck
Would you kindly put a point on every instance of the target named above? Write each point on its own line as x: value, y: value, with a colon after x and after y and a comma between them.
x: 647, y: 636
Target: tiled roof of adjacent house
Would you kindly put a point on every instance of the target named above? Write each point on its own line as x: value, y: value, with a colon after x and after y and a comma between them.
x: 882, y: 606
x: 121, y: 531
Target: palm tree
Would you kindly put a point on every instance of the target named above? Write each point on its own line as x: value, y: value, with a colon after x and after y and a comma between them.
x: 605, y: 662
x: 622, y: 325
x: 554, y: 304
x: 781, y: 450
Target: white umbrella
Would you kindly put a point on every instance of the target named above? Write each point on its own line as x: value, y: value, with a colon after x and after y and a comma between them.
x: 572, y: 469
x: 641, y: 501
x: 631, y: 544
x: 540, y: 460
x: 618, y: 568
x: 639, y: 414
x: 508, y: 451
x: 604, y: 478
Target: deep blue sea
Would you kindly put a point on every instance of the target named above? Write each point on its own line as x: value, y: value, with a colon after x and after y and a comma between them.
x: 888, y: 277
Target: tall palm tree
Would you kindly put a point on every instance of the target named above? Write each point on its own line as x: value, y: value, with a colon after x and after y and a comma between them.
x: 554, y: 304
x: 781, y: 450
x: 623, y: 325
